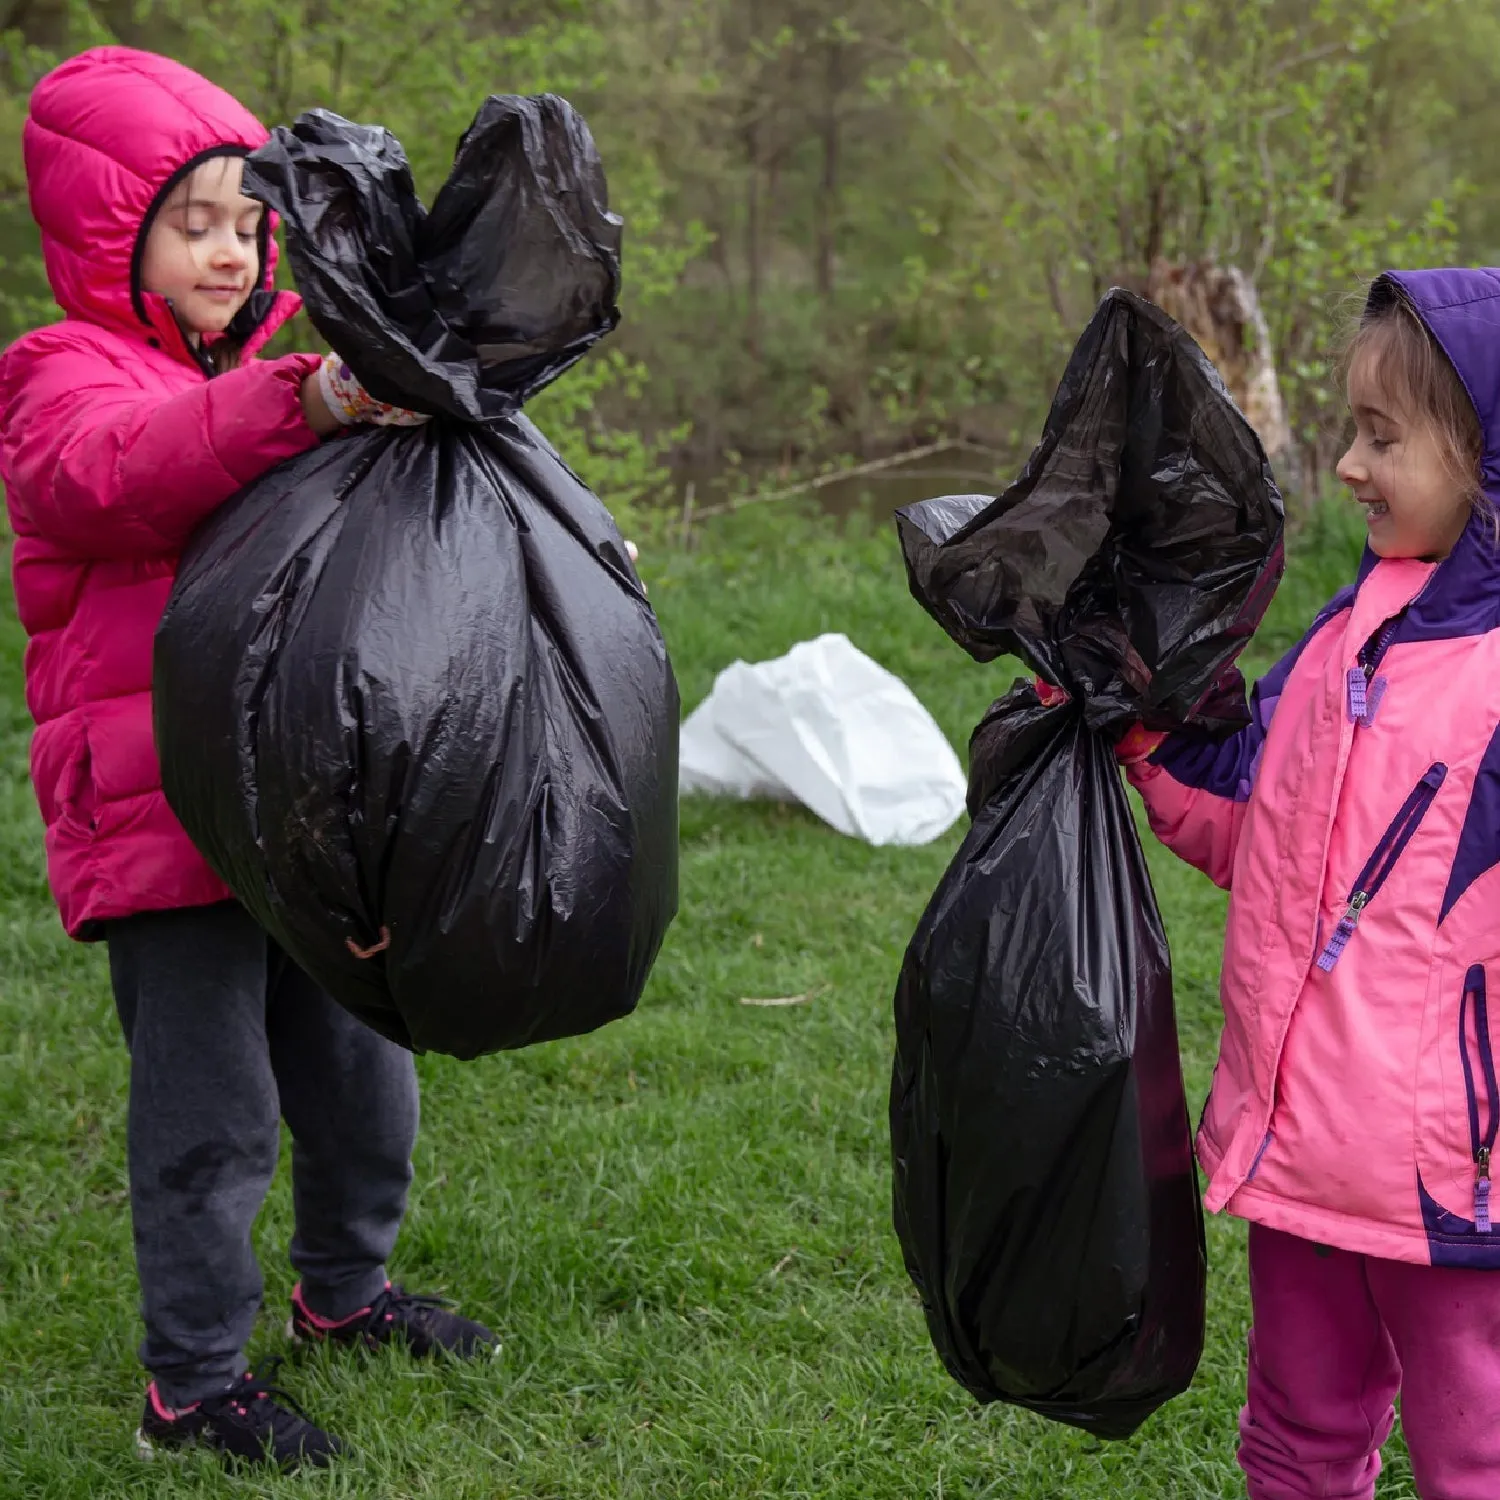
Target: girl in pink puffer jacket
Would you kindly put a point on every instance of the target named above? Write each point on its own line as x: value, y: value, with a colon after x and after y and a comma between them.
x: 1356, y: 825
x: 122, y: 427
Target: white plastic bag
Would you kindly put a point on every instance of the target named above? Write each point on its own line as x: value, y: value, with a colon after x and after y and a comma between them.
x: 829, y: 728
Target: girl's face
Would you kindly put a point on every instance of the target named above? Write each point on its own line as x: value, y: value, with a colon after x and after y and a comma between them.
x: 202, y: 251
x: 1397, y: 469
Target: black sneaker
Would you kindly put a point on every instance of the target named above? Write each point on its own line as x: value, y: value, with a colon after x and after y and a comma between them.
x: 424, y: 1324
x: 252, y: 1422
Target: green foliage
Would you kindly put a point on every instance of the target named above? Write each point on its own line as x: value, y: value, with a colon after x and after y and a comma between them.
x: 853, y: 225
x: 1241, y: 132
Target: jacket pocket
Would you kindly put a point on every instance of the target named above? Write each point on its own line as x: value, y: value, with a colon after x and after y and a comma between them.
x: 77, y: 796
x: 1382, y: 861
x: 1456, y: 1119
x: 1482, y: 1094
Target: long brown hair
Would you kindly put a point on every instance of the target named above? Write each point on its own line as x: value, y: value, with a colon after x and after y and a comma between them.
x: 223, y: 355
x: 1411, y: 366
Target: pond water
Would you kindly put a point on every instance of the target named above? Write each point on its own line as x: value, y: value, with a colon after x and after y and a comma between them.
x: 950, y: 471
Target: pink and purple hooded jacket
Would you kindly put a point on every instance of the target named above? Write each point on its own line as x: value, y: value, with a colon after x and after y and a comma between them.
x: 1356, y: 824
x: 114, y: 444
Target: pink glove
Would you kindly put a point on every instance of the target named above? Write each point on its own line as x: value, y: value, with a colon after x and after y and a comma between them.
x: 350, y: 402
x: 1134, y: 745
x: 1137, y: 743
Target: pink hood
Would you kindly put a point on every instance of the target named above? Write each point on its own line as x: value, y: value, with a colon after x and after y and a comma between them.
x: 108, y: 132
x: 114, y: 445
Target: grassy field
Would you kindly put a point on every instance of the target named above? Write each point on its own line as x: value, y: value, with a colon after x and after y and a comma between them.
x: 680, y: 1224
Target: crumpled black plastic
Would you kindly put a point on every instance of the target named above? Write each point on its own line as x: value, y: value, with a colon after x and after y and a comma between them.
x: 1045, y: 1196
x: 1140, y: 546
x: 408, y: 685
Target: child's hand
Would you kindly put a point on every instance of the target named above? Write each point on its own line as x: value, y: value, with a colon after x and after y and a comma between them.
x: 349, y: 402
x: 1136, y: 744
x: 634, y: 554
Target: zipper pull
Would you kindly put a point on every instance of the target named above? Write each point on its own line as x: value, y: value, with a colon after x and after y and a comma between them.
x: 1359, y: 683
x: 1365, y: 692
x: 1482, y: 1190
x: 1343, y: 932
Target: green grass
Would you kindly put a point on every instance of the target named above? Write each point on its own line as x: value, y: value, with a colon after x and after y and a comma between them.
x: 680, y: 1224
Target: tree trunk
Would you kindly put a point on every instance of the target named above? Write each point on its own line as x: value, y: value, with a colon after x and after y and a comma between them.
x: 828, y: 188
x: 753, y: 241
x: 719, y: 225
x: 1220, y: 308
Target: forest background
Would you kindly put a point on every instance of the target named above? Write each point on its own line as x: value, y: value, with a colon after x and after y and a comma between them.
x: 862, y: 228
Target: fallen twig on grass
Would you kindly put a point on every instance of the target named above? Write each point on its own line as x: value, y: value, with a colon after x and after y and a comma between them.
x: 833, y: 476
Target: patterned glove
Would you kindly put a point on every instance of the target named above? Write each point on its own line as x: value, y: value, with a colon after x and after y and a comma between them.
x: 350, y: 402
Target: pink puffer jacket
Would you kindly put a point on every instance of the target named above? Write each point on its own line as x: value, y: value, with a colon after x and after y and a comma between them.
x: 114, y: 444
x: 1356, y: 823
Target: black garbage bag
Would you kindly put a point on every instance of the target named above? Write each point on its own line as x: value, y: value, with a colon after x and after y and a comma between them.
x: 411, y: 701
x: 1045, y: 1196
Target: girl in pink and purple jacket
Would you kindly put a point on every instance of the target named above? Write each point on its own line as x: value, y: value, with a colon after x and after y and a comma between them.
x: 1356, y: 825
x: 122, y: 427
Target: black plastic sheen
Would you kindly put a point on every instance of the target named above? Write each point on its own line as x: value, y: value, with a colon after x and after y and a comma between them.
x: 1045, y: 1195
x: 408, y: 685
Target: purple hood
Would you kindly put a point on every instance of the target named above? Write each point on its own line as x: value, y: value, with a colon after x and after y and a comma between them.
x: 1462, y: 309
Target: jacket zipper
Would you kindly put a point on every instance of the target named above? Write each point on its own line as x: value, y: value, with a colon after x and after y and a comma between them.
x: 1265, y: 1145
x: 1482, y: 1145
x: 1382, y: 861
x: 1366, y: 689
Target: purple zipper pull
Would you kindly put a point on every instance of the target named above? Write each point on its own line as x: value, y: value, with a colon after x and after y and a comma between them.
x: 1357, y: 701
x: 1482, y: 1191
x: 1343, y: 932
x: 1382, y: 861
x: 1364, y: 697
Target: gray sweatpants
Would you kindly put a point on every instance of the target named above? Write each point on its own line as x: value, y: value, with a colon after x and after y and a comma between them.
x: 227, y: 1038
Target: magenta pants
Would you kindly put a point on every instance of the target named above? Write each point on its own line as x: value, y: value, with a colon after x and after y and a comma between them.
x: 1335, y: 1336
